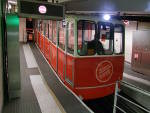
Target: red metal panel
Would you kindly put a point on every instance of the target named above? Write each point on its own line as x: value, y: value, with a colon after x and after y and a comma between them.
x: 61, y: 62
x: 39, y: 39
x: 94, y: 93
x: 87, y: 74
x: 99, y: 71
x: 46, y: 48
x: 69, y: 67
x: 35, y: 34
x: 50, y: 48
x: 42, y: 44
x: 53, y: 56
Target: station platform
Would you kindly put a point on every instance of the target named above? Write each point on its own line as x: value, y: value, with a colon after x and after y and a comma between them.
x: 41, y: 90
x: 139, y: 80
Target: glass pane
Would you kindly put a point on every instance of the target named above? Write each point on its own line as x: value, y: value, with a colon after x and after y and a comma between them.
x: 54, y: 32
x: 70, y: 38
x: 86, y: 36
x: 105, y: 39
x: 118, y: 39
x: 62, y: 36
x: 41, y: 27
x: 50, y: 30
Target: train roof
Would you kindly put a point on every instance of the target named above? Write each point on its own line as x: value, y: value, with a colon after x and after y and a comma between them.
x: 92, y: 18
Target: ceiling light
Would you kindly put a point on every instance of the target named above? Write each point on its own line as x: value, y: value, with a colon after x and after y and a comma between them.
x: 106, y: 17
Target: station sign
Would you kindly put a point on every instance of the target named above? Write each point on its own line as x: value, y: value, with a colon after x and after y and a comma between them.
x: 40, y: 10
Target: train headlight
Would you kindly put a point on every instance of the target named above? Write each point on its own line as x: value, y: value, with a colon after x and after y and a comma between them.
x: 106, y: 17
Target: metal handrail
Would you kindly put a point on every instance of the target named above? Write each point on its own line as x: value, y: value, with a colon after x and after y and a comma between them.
x: 133, y: 87
x: 124, y: 98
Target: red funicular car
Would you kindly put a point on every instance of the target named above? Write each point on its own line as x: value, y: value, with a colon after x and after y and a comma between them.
x: 86, y: 52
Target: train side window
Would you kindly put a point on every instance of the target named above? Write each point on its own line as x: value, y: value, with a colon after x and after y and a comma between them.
x: 106, y: 37
x: 54, y: 32
x: 70, y: 47
x: 38, y: 25
x: 118, y: 39
x: 62, y: 33
x: 50, y: 30
x: 42, y: 27
x: 46, y: 30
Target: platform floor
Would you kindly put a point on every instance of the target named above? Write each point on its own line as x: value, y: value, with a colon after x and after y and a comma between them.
x: 27, y: 103
x: 41, y: 91
x: 140, y: 80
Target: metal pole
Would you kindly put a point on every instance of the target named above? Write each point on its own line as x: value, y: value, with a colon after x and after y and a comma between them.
x: 115, y: 97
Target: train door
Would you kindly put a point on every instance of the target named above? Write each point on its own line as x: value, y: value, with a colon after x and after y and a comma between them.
x: 29, y: 29
x: 50, y: 40
x: 69, y: 76
x: 46, y: 41
x: 54, y: 46
x: 61, y: 50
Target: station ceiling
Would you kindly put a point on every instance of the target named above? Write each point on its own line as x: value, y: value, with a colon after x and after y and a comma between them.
x: 127, y: 9
x: 109, y: 6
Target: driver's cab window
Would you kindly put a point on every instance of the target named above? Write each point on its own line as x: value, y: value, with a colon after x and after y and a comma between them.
x: 106, y: 37
x: 118, y: 39
x: 86, y: 35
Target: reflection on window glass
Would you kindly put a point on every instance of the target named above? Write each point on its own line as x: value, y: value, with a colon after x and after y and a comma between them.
x: 41, y: 26
x: 54, y: 32
x: 106, y: 38
x: 44, y: 28
x: 61, y: 36
x: 86, y: 36
x: 118, y: 39
x: 70, y: 47
x: 38, y: 25
x: 50, y: 29
x: 47, y: 29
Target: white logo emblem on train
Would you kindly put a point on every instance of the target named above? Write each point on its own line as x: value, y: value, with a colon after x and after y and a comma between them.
x: 104, y: 71
x: 42, y: 9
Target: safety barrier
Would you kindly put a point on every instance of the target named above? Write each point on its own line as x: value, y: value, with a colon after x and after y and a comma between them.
x: 128, y: 100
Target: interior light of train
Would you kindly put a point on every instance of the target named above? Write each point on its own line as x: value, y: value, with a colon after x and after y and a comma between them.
x: 126, y: 22
x: 12, y: 2
x: 42, y: 9
x: 106, y: 17
x: 9, y: 6
x: 64, y: 23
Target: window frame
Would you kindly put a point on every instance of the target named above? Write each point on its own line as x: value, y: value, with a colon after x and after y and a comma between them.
x: 90, y: 21
x: 123, y: 37
x: 67, y: 38
x: 50, y: 22
x: 111, y: 33
x: 64, y: 28
x: 55, y: 43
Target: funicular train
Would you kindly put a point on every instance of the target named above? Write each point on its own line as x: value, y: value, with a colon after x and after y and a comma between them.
x: 86, y: 52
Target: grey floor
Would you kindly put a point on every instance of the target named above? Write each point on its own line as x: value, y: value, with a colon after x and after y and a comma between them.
x: 128, y: 70
x: 65, y: 97
x: 27, y: 103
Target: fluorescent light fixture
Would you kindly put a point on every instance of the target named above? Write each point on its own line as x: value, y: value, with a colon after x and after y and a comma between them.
x: 42, y: 9
x: 106, y: 17
x: 9, y: 6
x: 12, y: 2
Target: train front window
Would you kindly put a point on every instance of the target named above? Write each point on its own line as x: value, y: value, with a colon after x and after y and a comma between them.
x: 86, y: 36
x: 118, y: 39
x: 106, y: 36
